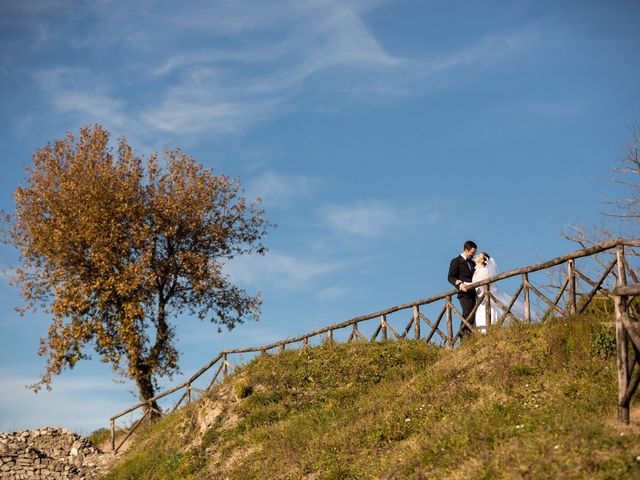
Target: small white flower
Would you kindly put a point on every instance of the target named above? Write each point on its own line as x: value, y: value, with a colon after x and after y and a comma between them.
x: 407, y: 419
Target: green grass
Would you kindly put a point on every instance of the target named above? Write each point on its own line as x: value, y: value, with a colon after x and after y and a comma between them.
x: 99, y: 436
x: 523, y: 402
x: 103, y: 435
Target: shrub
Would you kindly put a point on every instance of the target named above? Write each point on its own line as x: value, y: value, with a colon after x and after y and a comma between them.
x: 99, y: 436
x: 603, y: 342
x: 242, y: 389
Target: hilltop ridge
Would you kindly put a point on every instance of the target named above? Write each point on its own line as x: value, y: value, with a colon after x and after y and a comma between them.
x: 527, y: 401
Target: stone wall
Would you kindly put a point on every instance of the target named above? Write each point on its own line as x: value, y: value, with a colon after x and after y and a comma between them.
x: 49, y: 453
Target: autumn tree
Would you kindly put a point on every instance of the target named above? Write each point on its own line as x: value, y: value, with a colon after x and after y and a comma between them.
x: 113, y: 245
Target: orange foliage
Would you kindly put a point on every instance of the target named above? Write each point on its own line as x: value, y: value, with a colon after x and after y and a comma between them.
x: 112, y: 244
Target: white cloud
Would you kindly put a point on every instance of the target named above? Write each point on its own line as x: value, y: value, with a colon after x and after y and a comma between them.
x: 278, y: 189
x: 183, y: 60
x: 264, y: 55
x: 487, y: 50
x: 280, y: 271
x: 81, y: 92
x: 370, y: 218
x: 219, y: 91
x: 204, y: 100
x: 333, y: 293
x: 347, y: 41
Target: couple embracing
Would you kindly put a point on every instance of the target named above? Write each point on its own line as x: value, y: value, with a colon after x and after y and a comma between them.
x: 465, y: 269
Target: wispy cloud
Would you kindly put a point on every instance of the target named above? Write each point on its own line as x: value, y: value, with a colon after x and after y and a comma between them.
x: 264, y: 55
x: 218, y: 90
x: 85, y: 94
x: 277, y: 189
x: 197, y: 106
x: 333, y: 293
x: 281, y: 271
x: 486, y: 51
x: 372, y: 218
x: 222, y: 90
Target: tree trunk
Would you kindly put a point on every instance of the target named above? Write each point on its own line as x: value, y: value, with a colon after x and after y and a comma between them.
x: 146, y: 391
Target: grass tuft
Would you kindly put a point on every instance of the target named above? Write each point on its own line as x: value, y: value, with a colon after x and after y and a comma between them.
x: 242, y: 389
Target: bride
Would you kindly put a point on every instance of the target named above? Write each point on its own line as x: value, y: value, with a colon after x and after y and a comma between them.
x: 486, y: 268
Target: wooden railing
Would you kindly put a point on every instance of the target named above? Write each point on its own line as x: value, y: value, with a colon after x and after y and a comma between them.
x: 572, y: 293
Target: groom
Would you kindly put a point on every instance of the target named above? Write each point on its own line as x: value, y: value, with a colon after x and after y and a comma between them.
x: 461, y: 271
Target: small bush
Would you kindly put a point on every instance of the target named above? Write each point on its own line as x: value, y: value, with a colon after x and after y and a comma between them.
x: 603, y: 342
x: 242, y: 389
x: 99, y: 436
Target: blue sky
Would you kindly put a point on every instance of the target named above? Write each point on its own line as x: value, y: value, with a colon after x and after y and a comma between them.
x: 380, y: 134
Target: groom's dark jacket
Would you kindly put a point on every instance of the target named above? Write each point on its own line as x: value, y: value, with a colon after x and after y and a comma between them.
x: 460, y: 269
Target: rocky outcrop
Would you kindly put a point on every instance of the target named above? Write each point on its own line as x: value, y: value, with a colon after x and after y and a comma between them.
x: 49, y: 453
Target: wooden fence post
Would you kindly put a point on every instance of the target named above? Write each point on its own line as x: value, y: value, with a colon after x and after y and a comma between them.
x: 188, y: 394
x: 622, y: 341
x: 383, y: 324
x: 487, y: 306
x: 225, y: 369
x: 572, y: 287
x: 416, y: 322
x: 449, y: 322
x: 353, y: 337
x: 113, y: 435
x: 527, y: 299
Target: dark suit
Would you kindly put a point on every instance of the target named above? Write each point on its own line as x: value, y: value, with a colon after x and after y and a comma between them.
x: 461, y: 269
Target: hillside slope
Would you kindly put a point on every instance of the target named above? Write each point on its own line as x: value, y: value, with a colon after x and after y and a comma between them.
x: 524, y: 402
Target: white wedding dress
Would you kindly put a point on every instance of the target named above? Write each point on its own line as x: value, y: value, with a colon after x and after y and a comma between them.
x: 482, y: 272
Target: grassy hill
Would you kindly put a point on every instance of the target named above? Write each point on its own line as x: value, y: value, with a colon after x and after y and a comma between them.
x: 523, y: 402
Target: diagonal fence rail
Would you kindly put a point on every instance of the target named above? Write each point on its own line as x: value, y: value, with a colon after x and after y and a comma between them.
x: 542, y: 292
